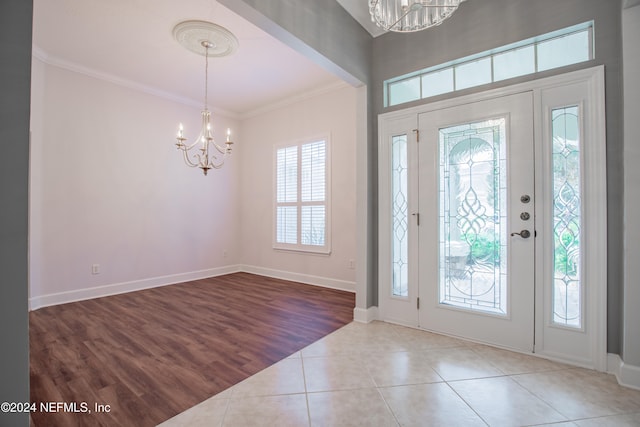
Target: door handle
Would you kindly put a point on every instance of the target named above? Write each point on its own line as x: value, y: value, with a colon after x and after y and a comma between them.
x: 525, y: 234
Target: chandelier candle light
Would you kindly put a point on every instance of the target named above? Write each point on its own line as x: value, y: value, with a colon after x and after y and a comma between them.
x: 206, y: 39
x: 405, y: 16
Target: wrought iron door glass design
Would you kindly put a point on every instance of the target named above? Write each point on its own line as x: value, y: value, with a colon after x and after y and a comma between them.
x: 472, y: 217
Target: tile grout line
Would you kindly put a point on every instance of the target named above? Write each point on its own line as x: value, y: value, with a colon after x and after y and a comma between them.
x: 304, y: 381
x: 551, y: 405
x: 226, y: 409
x: 467, y: 403
x: 379, y: 388
x: 395, y: 417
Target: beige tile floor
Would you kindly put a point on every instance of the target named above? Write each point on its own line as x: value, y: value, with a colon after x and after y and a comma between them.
x: 380, y: 374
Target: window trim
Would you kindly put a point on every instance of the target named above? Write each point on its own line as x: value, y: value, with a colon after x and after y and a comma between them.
x: 299, y: 247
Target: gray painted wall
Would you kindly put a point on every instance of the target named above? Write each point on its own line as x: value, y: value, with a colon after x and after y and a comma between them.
x: 631, y: 35
x: 480, y: 25
x: 15, y: 86
x: 320, y: 29
x: 477, y: 26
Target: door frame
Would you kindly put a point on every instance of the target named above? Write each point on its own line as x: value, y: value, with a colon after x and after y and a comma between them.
x: 595, y: 259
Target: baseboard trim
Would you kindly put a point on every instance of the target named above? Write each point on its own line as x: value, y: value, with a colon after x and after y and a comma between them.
x: 365, y: 315
x: 121, y: 288
x: 154, y: 282
x: 326, y: 282
x: 627, y: 375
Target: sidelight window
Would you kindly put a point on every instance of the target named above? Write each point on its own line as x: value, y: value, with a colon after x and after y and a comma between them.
x: 400, y: 216
x: 567, y: 218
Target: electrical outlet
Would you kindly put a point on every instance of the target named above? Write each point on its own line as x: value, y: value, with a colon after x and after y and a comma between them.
x: 224, y: 253
x: 352, y: 264
x: 95, y: 269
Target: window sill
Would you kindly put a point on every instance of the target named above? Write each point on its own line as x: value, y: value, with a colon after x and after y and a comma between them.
x: 321, y: 251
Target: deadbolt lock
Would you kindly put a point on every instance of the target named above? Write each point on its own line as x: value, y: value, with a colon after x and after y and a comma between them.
x: 525, y: 198
x: 525, y: 216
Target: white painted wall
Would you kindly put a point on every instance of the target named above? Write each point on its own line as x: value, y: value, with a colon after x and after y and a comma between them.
x: 332, y: 112
x: 109, y: 187
x: 631, y: 71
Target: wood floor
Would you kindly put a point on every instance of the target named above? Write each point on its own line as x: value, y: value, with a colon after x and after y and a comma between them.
x: 151, y: 354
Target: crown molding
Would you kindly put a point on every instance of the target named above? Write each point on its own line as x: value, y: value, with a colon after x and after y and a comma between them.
x: 139, y: 87
x: 295, y: 99
x: 129, y: 84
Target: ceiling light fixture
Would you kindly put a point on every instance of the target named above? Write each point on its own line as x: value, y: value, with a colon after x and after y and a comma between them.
x: 405, y: 16
x: 208, y: 39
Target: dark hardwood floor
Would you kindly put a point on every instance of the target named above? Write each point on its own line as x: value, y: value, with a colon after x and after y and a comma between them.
x: 151, y: 354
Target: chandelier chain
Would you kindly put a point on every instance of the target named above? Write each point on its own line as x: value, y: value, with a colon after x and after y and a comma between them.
x: 206, y: 75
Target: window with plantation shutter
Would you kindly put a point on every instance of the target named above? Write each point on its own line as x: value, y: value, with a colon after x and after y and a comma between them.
x: 301, y: 207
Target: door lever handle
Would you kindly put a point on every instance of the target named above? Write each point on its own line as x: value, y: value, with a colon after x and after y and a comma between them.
x: 525, y: 234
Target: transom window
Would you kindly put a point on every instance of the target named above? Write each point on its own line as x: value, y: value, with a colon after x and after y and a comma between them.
x: 302, y: 196
x: 567, y: 46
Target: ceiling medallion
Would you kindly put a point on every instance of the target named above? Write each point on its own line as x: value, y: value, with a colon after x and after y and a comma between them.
x: 192, y: 34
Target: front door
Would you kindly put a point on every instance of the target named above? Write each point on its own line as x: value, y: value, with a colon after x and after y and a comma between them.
x: 477, y: 223
x: 492, y: 217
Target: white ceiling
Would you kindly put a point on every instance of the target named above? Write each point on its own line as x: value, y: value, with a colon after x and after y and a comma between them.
x: 130, y: 41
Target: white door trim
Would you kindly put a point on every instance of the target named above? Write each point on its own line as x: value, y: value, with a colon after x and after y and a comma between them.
x: 588, y: 94
x: 595, y: 189
x: 399, y: 310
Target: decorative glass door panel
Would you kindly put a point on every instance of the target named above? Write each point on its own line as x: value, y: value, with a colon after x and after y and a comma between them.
x: 472, y: 220
x: 567, y: 289
x: 400, y: 216
x: 476, y: 245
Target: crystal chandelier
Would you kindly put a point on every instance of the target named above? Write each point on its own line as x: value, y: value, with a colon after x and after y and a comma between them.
x: 405, y: 16
x: 204, y: 152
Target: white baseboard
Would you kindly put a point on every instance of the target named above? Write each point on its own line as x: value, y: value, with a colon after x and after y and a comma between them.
x: 121, y: 288
x: 137, y: 285
x: 627, y: 375
x: 365, y: 315
x: 341, y: 285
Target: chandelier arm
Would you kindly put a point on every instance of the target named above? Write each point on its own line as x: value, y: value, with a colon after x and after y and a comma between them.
x: 188, y: 161
x: 218, y: 165
x: 197, y: 141
x: 222, y: 159
x: 185, y: 152
x: 221, y: 150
